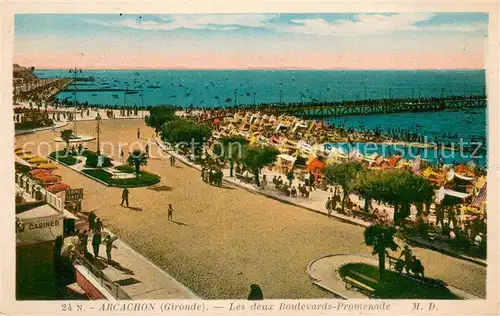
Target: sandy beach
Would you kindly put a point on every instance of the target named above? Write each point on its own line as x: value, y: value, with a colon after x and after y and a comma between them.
x: 224, y: 239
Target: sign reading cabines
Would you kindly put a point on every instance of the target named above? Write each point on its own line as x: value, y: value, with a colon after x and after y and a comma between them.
x: 74, y: 195
x: 29, y: 232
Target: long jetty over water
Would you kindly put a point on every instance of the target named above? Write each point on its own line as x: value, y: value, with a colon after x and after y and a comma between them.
x: 367, y: 107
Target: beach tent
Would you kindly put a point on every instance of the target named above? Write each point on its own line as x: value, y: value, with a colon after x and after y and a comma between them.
x: 316, y: 167
x: 394, y: 160
x: 284, y: 163
x: 464, y: 170
x: 481, y: 197
x: 480, y: 182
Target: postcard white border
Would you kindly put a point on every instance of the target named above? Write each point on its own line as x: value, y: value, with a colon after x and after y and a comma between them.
x: 9, y: 306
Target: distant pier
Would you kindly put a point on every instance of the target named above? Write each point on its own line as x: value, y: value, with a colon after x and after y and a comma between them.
x: 68, y: 89
x: 367, y: 107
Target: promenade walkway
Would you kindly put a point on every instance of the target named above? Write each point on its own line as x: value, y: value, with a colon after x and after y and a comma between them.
x: 316, y: 203
x: 138, y: 277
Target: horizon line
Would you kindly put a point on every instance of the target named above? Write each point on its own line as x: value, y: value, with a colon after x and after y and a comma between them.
x: 260, y: 68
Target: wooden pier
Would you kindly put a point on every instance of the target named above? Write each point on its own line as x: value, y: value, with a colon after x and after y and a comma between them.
x: 369, y: 107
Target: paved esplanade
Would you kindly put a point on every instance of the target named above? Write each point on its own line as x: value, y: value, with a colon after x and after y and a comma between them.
x: 224, y: 239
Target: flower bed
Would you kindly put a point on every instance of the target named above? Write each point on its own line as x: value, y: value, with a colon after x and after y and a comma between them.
x: 144, y: 179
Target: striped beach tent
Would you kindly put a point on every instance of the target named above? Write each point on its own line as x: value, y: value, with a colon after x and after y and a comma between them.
x: 481, y: 197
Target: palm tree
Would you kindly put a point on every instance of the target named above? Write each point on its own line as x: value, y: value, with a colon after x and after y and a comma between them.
x: 137, y: 159
x: 345, y: 175
x: 66, y: 135
x: 381, y: 238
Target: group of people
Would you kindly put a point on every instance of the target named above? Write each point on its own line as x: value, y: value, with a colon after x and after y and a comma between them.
x: 212, y: 175
x: 95, y: 227
x: 410, y: 263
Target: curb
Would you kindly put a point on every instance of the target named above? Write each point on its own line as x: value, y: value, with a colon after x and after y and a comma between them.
x: 22, y: 132
x: 345, y: 220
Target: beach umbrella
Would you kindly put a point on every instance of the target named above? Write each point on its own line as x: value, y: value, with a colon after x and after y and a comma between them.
x: 48, y: 178
x: 26, y: 156
x: 47, y: 166
x: 58, y: 187
x: 216, y: 121
x: 37, y: 160
x: 34, y: 172
x: 21, y: 151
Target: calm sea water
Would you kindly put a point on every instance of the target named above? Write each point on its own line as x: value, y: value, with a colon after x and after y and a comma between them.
x: 215, y: 88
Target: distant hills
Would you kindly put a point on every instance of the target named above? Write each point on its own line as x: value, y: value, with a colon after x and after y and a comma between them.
x: 23, y: 72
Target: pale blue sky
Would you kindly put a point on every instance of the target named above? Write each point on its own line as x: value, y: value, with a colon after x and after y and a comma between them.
x: 419, y: 40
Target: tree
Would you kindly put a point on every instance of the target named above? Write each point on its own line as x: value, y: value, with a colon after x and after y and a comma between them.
x: 66, y: 136
x: 158, y: 116
x: 381, y: 238
x: 230, y: 148
x: 186, y: 131
x: 400, y: 188
x: 137, y: 159
x: 256, y: 157
x: 345, y: 175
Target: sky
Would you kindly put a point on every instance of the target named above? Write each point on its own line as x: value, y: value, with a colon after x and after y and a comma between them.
x: 252, y: 41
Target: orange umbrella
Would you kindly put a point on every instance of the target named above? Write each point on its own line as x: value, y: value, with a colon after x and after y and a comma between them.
x: 49, y: 179
x: 41, y: 176
x: 58, y: 187
x: 34, y: 172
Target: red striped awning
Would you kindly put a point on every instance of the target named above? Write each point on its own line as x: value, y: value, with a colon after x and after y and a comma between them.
x: 481, y: 197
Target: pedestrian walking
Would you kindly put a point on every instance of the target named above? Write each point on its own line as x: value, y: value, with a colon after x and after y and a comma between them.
x: 147, y: 150
x: 169, y: 213
x: 98, y: 226
x: 92, y: 218
x: 124, y: 197
x: 328, y: 205
x: 138, y: 133
x: 255, y: 293
x: 96, y: 242
x: 122, y: 155
x: 109, y: 246
x: 84, y: 239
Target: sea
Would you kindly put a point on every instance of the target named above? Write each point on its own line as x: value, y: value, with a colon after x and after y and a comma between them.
x: 217, y: 88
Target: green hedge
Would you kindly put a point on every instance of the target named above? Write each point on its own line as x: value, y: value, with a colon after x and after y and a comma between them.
x: 396, y: 285
x: 63, y: 157
x: 144, y: 179
x: 92, y: 159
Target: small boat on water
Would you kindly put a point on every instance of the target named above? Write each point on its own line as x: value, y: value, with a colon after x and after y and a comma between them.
x: 154, y: 87
x: 115, y: 96
x: 94, y: 94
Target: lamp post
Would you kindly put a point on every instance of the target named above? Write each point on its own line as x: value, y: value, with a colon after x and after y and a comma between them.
x: 98, y: 131
x: 75, y: 71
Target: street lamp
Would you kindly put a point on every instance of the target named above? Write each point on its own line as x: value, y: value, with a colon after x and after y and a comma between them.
x: 75, y: 71
x: 98, y: 131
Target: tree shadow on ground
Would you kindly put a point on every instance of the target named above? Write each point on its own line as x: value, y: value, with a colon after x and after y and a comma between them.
x: 160, y: 188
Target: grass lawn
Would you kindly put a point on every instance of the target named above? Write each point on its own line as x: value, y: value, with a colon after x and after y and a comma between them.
x: 396, y: 286
x: 144, y: 179
x: 64, y: 158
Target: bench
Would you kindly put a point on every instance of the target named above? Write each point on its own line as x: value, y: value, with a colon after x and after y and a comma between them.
x: 351, y: 283
x: 364, y: 215
x: 365, y: 277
